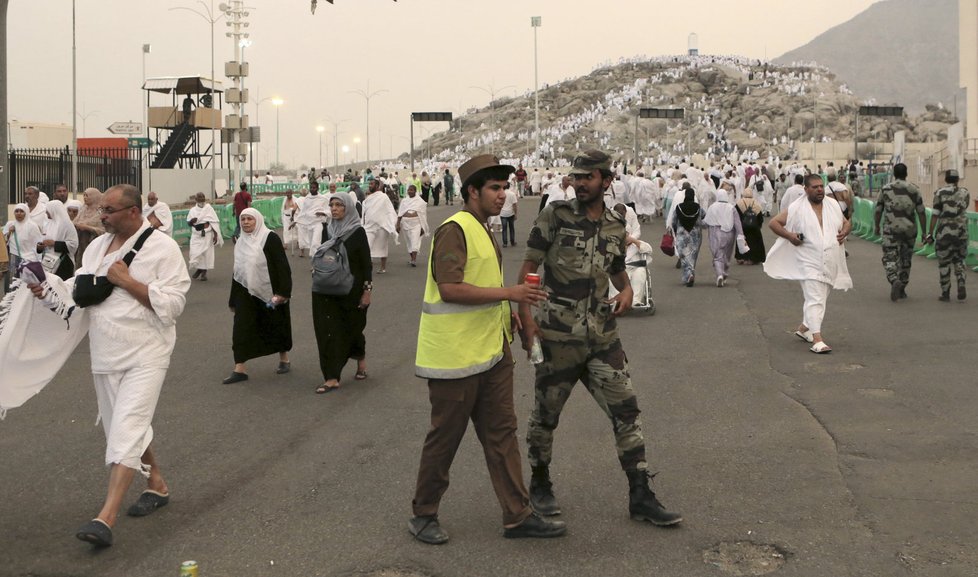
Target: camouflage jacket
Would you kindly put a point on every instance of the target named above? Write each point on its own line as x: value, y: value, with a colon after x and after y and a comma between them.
x: 898, y: 204
x: 579, y: 256
x: 951, y: 207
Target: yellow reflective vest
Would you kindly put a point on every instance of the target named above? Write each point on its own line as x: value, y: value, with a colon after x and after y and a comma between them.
x: 458, y: 340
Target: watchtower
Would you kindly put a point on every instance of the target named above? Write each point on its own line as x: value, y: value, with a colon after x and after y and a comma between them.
x: 194, y: 105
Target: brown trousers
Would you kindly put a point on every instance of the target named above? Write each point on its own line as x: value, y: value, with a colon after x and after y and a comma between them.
x: 487, y: 399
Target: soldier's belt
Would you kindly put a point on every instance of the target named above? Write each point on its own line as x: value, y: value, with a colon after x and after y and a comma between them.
x: 564, y: 302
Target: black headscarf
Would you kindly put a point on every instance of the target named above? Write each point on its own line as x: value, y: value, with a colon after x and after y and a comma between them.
x: 688, y: 211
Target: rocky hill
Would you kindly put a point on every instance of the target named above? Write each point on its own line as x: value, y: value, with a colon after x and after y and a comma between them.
x: 896, y: 51
x: 732, y: 106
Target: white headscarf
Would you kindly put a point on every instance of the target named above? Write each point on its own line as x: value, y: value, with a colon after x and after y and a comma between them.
x: 721, y: 213
x: 28, y: 235
x: 75, y: 204
x: 250, y: 264
x: 60, y: 228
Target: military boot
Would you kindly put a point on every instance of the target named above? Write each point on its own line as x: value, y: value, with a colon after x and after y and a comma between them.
x: 642, y: 504
x: 541, y: 492
x: 945, y: 296
x: 962, y: 292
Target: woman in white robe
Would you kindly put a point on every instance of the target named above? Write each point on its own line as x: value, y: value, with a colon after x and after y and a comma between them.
x: 206, y: 234
x: 60, y: 240
x: 290, y: 233
x: 412, y: 222
x: 22, y: 236
x: 724, y: 225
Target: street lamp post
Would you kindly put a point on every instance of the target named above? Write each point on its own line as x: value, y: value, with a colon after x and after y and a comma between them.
x: 277, y: 102
x: 211, y: 17
x: 491, y: 91
x: 535, y: 22
x: 336, y: 135
x: 367, y: 95
x: 320, y: 130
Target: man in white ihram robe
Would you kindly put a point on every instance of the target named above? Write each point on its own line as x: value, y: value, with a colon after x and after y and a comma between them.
x: 158, y: 214
x: 412, y: 221
x: 811, y: 251
x: 379, y: 222
x: 205, y: 234
x: 131, y: 333
x: 313, y: 214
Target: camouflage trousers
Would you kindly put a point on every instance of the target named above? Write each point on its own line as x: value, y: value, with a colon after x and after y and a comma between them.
x: 603, y: 369
x: 951, y: 252
x: 897, y: 258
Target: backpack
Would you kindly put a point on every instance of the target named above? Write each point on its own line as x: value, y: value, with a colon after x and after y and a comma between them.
x: 750, y: 219
x: 331, y: 274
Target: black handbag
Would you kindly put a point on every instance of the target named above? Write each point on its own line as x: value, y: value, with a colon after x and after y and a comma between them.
x: 91, y: 289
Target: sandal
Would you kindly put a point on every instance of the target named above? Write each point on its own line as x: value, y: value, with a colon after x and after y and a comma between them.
x: 820, y: 348
x: 361, y: 375
x: 805, y: 336
x: 324, y: 388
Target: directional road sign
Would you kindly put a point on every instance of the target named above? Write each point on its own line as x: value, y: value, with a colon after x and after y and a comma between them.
x: 140, y: 142
x: 126, y: 127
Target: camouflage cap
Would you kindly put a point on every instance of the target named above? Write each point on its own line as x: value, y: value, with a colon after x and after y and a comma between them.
x: 951, y: 176
x: 590, y: 160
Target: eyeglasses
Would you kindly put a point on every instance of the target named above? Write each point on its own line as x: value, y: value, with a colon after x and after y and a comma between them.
x: 110, y: 210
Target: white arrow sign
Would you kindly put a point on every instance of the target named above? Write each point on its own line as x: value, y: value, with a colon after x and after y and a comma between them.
x: 126, y: 128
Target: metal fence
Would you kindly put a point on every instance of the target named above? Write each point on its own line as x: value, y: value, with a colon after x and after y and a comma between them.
x: 45, y: 168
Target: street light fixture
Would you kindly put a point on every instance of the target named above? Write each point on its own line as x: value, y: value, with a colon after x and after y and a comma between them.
x: 211, y: 16
x: 84, y: 116
x: 491, y: 91
x: 367, y: 95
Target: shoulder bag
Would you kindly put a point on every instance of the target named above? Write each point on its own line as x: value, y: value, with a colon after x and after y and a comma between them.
x: 91, y: 289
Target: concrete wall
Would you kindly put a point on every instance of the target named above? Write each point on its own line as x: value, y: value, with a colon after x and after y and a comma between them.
x: 176, y: 186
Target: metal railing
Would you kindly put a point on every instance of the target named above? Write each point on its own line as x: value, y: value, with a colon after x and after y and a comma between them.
x: 45, y: 168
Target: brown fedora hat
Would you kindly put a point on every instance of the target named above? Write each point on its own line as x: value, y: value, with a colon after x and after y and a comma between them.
x: 481, y: 162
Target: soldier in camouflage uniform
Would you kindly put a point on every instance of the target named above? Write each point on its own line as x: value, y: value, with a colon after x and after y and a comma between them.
x: 581, y: 245
x: 951, y: 241
x: 899, y: 208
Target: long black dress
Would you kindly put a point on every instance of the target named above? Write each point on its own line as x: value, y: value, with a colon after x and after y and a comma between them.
x: 337, y: 320
x: 755, y: 240
x: 259, y: 330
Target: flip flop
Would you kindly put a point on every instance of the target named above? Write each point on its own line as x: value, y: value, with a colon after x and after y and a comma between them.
x: 148, y: 502
x: 96, y: 532
x: 805, y: 336
x: 323, y: 389
x: 820, y: 348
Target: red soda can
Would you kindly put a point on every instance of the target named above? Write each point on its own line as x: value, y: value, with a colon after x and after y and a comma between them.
x: 532, y: 279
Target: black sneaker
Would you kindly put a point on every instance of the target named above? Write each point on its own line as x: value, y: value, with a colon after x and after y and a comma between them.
x: 536, y: 527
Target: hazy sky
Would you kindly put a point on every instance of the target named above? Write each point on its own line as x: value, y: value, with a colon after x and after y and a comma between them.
x: 427, y: 54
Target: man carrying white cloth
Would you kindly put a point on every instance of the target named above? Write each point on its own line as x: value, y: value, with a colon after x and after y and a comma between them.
x: 810, y: 250
x: 132, y: 333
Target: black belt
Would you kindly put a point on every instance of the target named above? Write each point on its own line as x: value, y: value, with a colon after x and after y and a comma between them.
x: 571, y: 303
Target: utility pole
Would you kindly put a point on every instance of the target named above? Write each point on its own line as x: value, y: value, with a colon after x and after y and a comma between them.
x: 5, y: 192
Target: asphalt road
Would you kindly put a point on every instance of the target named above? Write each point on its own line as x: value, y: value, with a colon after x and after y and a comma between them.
x: 861, y: 462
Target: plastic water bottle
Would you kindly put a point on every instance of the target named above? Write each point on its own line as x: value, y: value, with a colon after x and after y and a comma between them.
x: 536, y: 351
